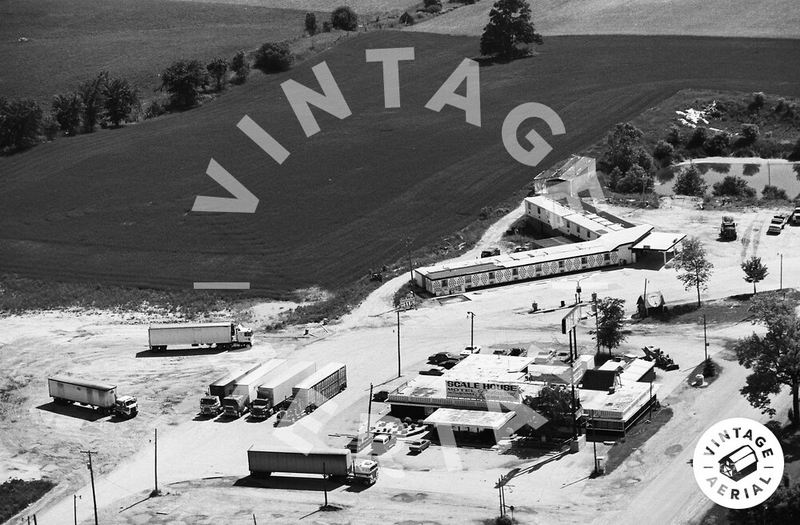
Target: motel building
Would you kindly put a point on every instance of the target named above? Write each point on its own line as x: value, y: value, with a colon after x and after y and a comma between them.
x: 581, y: 240
x: 481, y: 399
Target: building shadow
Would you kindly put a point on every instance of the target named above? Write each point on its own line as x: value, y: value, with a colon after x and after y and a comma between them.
x: 77, y: 411
x: 316, y: 484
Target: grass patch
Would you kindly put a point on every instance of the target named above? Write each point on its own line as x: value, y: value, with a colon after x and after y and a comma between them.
x: 636, y: 437
x: 17, y: 494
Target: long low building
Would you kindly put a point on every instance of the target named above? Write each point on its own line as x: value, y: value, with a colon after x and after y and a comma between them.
x: 611, y: 249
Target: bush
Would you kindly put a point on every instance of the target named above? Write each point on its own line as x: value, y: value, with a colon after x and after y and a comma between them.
x: 732, y: 186
x: 91, y: 93
x: 20, y: 124
x: 636, y: 180
x: 717, y: 145
x: 311, y: 24
x: 749, y: 133
x: 273, y: 57
x: 17, y: 494
x: 795, y: 154
x: 757, y: 103
x: 119, y: 99
x: 50, y: 127
x: 503, y: 520
x: 67, y: 109
x: 406, y: 19
x: 344, y: 18
x: 218, y: 68
x: 774, y: 193
x: 240, y: 67
x: 435, y: 8
x: 326, y: 26
x: 697, y: 138
x: 674, y: 136
x: 154, y: 109
x: 429, y: 3
x: 690, y: 182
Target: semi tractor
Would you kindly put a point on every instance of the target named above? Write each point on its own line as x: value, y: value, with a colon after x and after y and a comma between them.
x: 329, y: 462
x: 276, y: 390
x: 244, y: 391
x: 67, y: 390
x: 219, y: 335
x: 319, y: 387
x: 211, y: 403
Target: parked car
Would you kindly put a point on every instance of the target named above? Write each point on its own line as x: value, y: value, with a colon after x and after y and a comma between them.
x: 490, y: 253
x: 779, y: 219
x: 441, y: 357
x: 518, y: 352
x: 380, y: 396
x: 450, y: 363
x: 776, y: 225
x: 469, y: 350
x: 418, y: 445
x: 432, y: 372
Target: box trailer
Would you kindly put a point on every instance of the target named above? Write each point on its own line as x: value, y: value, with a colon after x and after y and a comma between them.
x: 218, y: 335
x: 276, y: 390
x: 211, y: 402
x: 329, y: 462
x: 103, y: 397
x: 244, y: 390
x: 319, y: 387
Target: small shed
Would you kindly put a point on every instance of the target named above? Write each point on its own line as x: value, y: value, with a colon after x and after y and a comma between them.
x: 652, y: 302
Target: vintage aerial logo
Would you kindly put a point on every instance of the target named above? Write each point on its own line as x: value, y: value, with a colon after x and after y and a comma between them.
x: 738, y: 463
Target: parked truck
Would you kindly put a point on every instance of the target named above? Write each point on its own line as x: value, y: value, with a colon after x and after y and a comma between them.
x: 276, y: 390
x: 103, y: 397
x: 727, y: 229
x: 244, y: 391
x: 319, y: 387
x: 211, y: 402
x: 332, y: 462
x: 220, y: 335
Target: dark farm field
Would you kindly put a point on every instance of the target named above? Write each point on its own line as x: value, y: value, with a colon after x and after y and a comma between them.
x: 71, y: 40
x: 115, y: 205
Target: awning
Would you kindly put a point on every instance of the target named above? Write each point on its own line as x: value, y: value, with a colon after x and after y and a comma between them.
x: 484, y: 420
x: 659, y: 241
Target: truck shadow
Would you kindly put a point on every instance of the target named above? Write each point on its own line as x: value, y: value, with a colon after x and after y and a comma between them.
x: 289, y: 483
x: 187, y: 352
x: 76, y: 411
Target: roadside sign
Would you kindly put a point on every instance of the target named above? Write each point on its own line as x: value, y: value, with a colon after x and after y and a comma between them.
x: 408, y: 302
x: 571, y: 319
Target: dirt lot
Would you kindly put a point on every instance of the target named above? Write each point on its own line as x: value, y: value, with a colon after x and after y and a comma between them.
x: 638, y: 17
x: 202, y: 462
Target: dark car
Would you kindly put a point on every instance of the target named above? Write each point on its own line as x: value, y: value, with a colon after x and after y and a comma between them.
x: 441, y: 357
x: 431, y: 372
x: 380, y: 396
x: 450, y: 363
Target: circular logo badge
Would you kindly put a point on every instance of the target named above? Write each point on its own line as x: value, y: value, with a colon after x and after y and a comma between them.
x: 738, y: 463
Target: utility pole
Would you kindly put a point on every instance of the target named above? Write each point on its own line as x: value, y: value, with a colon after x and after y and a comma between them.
x: 471, y: 316
x: 398, y: 343
x: 155, y: 461
x: 369, y: 412
x: 644, y: 297
x: 325, y: 483
x: 410, y: 265
x: 594, y: 443
x: 705, y: 337
x: 75, y: 508
x: 91, y: 476
x: 596, y: 322
x: 781, y: 271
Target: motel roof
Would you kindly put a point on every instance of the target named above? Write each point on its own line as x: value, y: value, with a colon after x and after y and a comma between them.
x: 606, y: 243
x: 591, y: 221
x: 471, y: 418
x: 625, y: 399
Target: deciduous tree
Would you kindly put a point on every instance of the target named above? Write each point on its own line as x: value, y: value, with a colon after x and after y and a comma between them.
x: 217, y: 68
x: 91, y: 93
x: 690, y: 182
x: 774, y: 357
x: 610, y: 313
x: 184, y: 80
x: 20, y: 124
x: 119, y: 99
x: 509, y: 26
x: 311, y: 24
x: 344, y: 18
x: 273, y: 57
x: 624, y: 150
x: 240, y: 67
x: 754, y: 271
x: 692, y: 262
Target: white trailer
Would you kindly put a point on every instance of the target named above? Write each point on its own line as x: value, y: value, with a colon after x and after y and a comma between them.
x: 329, y: 462
x: 238, y: 402
x: 220, y: 335
x: 67, y: 390
x: 319, y: 387
x: 277, y: 388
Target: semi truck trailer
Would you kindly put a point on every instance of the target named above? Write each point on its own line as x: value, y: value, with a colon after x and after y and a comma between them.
x: 332, y: 462
x: 319, y: 387
x: 276, y: 390
x: 219, y: 335
x: 211, y: 402
x: 244, y: 391
x: 66, y: 390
